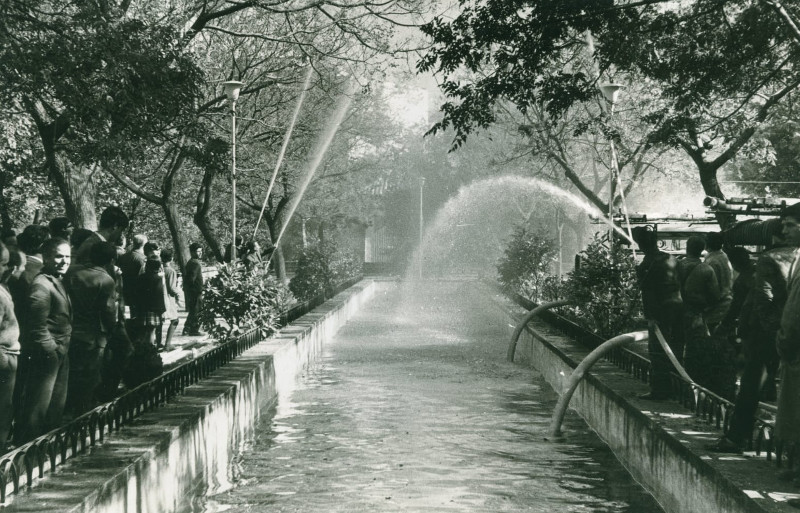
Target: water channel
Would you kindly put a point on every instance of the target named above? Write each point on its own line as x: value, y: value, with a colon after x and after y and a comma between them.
x: 412, y: 407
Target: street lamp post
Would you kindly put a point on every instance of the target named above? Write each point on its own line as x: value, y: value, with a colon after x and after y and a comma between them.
x: 421, y: 186
x: 611, y: 94
x: 232, y: 88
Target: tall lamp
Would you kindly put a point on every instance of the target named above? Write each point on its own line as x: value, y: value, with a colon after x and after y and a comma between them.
x: 611, y: 92
x: 421, y: 224
x: 232, y: 88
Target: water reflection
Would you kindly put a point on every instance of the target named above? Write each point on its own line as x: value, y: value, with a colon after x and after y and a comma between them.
x: 409, y: 421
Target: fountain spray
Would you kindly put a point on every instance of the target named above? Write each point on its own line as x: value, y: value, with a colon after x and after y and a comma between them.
x: 319, y: 153
x: 285, y: 144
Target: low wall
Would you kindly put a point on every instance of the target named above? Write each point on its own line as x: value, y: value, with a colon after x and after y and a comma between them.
x: 678, y: 478
x: 186, y: 446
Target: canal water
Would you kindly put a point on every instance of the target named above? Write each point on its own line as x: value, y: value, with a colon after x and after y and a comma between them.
x: 412, y: 407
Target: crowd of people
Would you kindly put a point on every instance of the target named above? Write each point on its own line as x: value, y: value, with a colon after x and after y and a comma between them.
x: 80, y: 314
x: 717, y: 325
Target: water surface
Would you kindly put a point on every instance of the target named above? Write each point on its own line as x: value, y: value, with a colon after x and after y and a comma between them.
x: 412, y: 407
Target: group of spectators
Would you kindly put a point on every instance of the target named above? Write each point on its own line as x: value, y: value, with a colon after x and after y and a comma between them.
x: 711, y: 321
x: 76, y: 308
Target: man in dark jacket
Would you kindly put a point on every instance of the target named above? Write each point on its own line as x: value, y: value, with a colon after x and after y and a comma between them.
x: 662, y: 305
x: 132, y: 266
x: 788, y: 342
x: 758, y: 327
x: 113, y: 222
x: 92, y: 292
x: 30, y: 242
x: 193, y: 290
x: 49, y: 329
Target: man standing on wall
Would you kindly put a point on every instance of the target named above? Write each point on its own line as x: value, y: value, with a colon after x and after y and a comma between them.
x: 758, y: 327
x: 91, y: 290
x: 788, y: 342
x: 663, y: 307
x: 49, y: 330
x: 193, y: 290
x: 9, y: 355
x: 113, y: 222
x: 132, y: 266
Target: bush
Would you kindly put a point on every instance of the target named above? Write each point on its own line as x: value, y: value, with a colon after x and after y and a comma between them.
x: 320, y: 268
x: 605, y: 290
x: 524, y: 266
x: 243, y: 299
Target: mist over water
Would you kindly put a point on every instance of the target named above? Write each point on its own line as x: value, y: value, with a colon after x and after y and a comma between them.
x: 470, y: 232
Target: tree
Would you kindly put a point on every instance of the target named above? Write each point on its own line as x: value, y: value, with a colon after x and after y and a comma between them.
x: 769, y: 166
x: 97, y: 83
x: 121, y: 86
x: 718, y: 68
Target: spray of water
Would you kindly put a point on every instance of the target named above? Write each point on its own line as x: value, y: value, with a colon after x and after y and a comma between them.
x: 285, y: 144
x: 470, y: 231
x: 319, y: 152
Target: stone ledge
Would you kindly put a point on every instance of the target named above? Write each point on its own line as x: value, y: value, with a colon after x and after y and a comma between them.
x: 660, y: 443
x: 153, y: 464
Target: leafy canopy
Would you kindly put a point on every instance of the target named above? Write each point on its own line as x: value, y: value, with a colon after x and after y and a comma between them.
x: 716, y: 66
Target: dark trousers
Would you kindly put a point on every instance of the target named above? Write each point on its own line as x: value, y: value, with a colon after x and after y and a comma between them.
x: 670, y: 321
x: 23, y: 366
x: 45, y: 393
x: 759, y: 368
x: 193, y: 304
x: 85, y: 361
x: 8, y: 377
x: 115, y: 359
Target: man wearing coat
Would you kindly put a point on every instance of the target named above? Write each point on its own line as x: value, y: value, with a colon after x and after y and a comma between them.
x: 9, y: 355
x: 193, y: 290
x: 49, y: 328
x: 788, y: 341
x: 113, y: 222
x: 92, y: 293
x: 663, y: 307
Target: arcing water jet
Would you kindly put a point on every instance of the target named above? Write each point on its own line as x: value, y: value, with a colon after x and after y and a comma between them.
x: 285, y: 144
x: 319, y: 153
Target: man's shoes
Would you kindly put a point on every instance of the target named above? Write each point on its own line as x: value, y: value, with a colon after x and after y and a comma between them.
x: 725, y: 445
x: 650, y: 396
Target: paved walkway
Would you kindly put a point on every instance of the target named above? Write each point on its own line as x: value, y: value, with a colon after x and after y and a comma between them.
x: 412, y: 407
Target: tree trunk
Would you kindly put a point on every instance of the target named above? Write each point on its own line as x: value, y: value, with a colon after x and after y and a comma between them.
x: 5, y: 215
x: 708, y: 178
x: 74, y: 183
x: 280, y: 265
x: 202, y: 207
x: 175, y: 225
x: 278, y: 260
x: 81, y: 193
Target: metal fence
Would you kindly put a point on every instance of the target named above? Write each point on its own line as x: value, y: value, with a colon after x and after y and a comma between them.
x: 705, y: 404
x: 32, y: 460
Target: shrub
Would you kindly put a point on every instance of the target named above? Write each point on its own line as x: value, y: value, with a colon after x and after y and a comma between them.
x: 243, y: 299
x: 553, y: 289
x: 605, y: 290
x: 320, y: 268
x: 524, y: 266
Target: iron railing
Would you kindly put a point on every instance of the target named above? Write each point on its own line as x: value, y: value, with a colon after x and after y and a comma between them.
x: 32, y: 460
x: 705, y: 404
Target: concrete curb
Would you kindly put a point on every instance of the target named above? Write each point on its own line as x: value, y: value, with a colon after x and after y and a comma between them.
x: 184, y: 447
x: 678, y: 478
